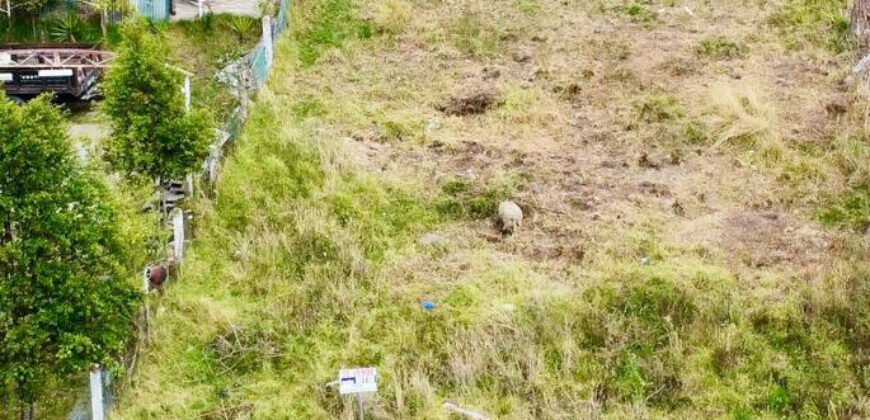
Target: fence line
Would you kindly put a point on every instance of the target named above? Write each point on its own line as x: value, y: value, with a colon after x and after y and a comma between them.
x: 251, y: 76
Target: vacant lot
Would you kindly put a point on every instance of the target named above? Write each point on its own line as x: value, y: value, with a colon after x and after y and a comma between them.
x: 695, y: 178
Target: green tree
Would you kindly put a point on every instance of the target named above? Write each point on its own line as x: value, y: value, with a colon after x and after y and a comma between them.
x: 152, y: 134
x: 105, y: 8
x: 33, y: 8
x: 66, y: 299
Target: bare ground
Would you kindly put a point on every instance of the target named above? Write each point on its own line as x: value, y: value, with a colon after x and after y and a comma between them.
x: 594, y: 168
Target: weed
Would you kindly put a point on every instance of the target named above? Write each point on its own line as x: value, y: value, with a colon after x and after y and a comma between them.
x: 242, y: 26
x: 659, y: 108
x: 694, y: 133
x: 852, y: 209
x: 720, y: 47
x: 639, y: 13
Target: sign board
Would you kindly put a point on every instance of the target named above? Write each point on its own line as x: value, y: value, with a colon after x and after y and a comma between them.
x: 357, y: 380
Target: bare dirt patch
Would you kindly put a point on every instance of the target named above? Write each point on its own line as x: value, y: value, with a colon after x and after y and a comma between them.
x: 470, y: 104
x: 759, y: 238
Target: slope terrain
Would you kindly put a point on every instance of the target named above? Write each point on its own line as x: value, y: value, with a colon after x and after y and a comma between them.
x: 695, y: 178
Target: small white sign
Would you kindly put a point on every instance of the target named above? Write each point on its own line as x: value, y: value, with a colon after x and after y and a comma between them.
x: 357, y: 380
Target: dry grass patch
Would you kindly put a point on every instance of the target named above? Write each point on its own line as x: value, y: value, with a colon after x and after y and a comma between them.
x: 393, y: 16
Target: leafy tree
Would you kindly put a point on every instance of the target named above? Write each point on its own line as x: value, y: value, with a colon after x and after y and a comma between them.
x: 66, y: 301
x: 152, y: 134
x: 106, y: 8
x: 33, y: 8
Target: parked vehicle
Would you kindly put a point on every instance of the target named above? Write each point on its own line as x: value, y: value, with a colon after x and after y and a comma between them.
x: 71, y: 70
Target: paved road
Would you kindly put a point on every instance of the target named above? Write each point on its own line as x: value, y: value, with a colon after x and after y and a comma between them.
x: 185, y: 10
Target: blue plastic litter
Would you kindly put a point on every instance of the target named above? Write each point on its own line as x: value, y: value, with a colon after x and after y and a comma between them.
x: 428, y: 305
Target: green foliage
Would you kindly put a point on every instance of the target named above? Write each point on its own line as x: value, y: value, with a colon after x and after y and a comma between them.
x: 152, y: 134
x: 71, y: 28
x: 65, y: 297
x: 720, y: 47
x: 820, y: 23
x: 207, y: 24
x: 639, y: 13
x: 852, y: 209
x: 242, y: 26
x: 659, y: 108
x: 695, y: 133
x: 461, y: 199
x: 33, y: 7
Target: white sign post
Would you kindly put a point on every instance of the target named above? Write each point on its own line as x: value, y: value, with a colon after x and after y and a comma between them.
x: 358, y: 381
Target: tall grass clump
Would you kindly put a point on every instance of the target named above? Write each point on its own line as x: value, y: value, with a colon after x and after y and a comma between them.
x: 740, y: 117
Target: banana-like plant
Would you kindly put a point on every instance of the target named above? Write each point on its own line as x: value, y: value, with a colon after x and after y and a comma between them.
x: 243, y: 26
x: 65, y: 29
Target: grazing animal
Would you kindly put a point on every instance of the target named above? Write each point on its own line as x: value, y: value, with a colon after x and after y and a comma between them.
x: 157, y: 274
x: 511, y: 217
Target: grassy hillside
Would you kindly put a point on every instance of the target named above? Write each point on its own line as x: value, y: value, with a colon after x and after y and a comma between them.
x: 696, y: 189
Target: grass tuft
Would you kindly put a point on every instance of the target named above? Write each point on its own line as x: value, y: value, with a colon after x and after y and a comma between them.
x: 818, y: 23
x: 393, y: 16
x: 720, y: 47
x: 473, y: 36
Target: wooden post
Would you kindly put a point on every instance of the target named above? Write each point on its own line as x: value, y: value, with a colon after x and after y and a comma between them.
x: 97, y: 409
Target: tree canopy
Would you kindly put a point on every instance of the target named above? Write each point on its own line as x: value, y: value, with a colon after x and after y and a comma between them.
x: 66, y: 299
x: 152, y: 134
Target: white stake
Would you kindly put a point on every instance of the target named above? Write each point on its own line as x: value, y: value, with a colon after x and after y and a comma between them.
x: 97, y: 412
x: 178, y: 233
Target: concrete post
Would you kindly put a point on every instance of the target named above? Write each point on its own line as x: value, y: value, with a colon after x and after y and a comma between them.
x: 97, y: 408
x: 187, y: 93
x: 178, y: 234
x: 267, y: 40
